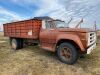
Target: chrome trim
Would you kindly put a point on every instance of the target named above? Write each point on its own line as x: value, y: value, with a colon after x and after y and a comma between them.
x: 91, y: 38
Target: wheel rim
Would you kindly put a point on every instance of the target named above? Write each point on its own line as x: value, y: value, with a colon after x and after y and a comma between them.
x: 66, y: 53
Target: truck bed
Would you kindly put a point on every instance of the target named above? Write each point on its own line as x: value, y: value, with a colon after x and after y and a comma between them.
x: 23, y: 29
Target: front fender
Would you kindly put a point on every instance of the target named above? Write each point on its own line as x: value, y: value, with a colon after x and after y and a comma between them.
x: 71, y: 37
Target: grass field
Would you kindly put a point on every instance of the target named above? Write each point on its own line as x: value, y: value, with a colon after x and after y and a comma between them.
x: 35, y: 61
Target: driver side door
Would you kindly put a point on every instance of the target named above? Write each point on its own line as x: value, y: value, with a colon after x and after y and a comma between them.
x: 47, y: 36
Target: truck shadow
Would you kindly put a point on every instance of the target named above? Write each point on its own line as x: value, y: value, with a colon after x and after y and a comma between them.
x: 52, y: 57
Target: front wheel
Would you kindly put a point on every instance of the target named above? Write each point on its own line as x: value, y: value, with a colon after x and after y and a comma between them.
x: 67, y: 53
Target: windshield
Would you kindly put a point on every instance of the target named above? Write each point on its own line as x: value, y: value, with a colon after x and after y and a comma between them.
x: 60, y: 24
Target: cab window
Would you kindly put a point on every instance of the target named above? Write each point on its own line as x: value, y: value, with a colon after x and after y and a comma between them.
x: 47, y: 25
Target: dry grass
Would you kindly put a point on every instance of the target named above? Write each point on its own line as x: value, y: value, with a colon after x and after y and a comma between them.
x: 35, y: 61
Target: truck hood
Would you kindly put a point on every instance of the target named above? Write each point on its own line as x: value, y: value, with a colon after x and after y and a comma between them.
x: 84, y: 30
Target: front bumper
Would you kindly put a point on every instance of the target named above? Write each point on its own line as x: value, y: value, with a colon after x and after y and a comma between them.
x: 89, y: 50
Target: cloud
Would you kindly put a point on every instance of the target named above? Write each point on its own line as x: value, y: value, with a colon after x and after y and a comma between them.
x: 61, y: 9
x: 7, y: 16
x: 8, y: 13
x: 51, y: 8
x: 65, y: 9
x: 25, y: 3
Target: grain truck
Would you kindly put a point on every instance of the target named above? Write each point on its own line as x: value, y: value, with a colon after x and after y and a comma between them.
x: 52, y: 35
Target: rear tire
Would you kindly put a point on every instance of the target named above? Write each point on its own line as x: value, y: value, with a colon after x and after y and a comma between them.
x: 67, y: 53
x: 15, y: 44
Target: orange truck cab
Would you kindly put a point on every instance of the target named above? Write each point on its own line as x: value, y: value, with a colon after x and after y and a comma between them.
x: 52, y: 35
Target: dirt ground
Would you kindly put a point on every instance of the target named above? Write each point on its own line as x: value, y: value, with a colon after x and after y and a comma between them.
x: 35, y: 61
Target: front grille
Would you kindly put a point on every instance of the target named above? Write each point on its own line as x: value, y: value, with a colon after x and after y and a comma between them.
x: 91, y: 38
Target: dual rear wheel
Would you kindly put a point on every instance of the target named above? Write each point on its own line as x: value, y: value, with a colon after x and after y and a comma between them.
x: 16, y: 43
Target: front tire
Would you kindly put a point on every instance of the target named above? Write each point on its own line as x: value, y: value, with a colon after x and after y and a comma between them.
x: 67, y: 53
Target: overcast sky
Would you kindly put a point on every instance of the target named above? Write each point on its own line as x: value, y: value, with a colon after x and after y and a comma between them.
x: 13, y: 10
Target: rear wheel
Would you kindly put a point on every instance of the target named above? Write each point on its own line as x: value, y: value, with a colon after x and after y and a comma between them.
x: 15, y: 44
x: 67, y: 53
